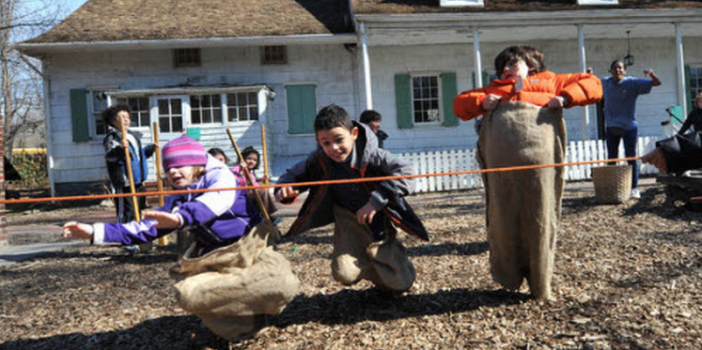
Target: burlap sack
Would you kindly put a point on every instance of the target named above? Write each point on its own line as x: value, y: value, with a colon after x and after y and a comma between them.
x: 232, y: 287
x: 357, y: 257
x: 523, y: 207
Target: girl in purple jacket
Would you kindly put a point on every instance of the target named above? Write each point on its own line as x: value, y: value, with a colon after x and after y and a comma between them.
x: 216, y: 218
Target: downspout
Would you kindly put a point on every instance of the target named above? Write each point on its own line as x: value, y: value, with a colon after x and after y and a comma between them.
x: 366, y: 67
x: 478, y: 69
x: 49, y: 129
x: 680, y: 61
x: 583, y: 68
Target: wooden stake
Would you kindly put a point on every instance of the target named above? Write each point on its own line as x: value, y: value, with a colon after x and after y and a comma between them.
x: 259, y: 201
x: 265, y: 154
x: 128, y: 158
x: 162, y: 241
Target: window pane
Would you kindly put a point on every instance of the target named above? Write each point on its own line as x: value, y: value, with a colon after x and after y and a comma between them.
x: 196, y: 117
x: 162, y: 107
x: 177, y: 124
x: 207, y: 116
x: 242, y: 113
x: 163, y: 124
x: 253, y: 113
x: 217, y: 115
x: 232, y: 114
x: 176, y: 107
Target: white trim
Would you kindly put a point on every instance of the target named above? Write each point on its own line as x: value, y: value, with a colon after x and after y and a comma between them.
x: 598, y: 2
x: 194, y: 90
x: 462, y: 3
x: 680, y: 63
x: 307, y: 39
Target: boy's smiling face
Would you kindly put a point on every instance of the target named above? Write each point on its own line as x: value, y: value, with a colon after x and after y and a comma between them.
x: 337, y: 142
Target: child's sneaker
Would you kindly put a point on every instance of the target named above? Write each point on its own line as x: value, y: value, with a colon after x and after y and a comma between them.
x: 635, y: 194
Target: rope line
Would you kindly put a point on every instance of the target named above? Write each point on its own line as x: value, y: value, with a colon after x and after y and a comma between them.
x: 316, y: 183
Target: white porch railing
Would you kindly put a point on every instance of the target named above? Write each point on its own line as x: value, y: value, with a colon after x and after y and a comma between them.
x: 461, y: 160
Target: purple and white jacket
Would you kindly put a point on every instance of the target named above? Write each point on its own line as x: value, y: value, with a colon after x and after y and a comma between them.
x: 226, y: 214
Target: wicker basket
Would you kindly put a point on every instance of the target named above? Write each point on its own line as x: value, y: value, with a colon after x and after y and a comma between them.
x: 612, y: 183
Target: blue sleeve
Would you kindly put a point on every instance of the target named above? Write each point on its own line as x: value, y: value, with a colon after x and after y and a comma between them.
x: 643, y: 86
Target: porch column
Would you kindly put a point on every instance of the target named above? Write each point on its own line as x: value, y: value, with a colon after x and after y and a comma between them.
x: 680, y: 61
x: 477, y: 61
x: 583, y: 68
x: 366, y: 68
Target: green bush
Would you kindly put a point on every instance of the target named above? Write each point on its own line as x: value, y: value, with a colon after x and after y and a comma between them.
x: 33, y: 169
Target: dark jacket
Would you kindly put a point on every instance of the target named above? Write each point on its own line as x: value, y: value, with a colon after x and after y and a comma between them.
x: 371, y: 161
x: 682, y: 152
x: 694, y: 119
x: 115, y: 158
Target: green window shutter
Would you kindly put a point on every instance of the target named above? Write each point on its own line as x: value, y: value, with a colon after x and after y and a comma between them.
x: 302, y: 108
x: 79, y: 115
x: 448, y: 93
x: 403, y: 100
x: 688, y: 87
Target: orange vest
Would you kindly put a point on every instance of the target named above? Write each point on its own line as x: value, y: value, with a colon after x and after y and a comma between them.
x: 579, y: 89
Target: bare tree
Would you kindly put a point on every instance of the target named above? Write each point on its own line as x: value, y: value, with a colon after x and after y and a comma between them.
x: 21, y: 86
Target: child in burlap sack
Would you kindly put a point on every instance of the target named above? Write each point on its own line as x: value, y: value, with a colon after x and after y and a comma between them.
x: 365, y: 242
x: 523, y: 125
x: 228, y: 277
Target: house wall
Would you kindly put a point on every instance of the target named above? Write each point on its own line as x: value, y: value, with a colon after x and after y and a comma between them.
x: 331, y: 68
x: 337, y: 74
x: 561, y: 57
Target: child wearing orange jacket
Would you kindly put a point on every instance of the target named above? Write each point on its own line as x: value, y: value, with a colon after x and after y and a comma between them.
x: 523, y: 77
x: 524, y: 207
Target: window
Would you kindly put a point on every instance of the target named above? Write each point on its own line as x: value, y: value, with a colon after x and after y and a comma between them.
x: 461, y: 3
x: 97, y: 105
x: 425, y: 99
x: 242, y: 106
x: 138, y: 110
x: 170, y: 114
x: 186, y: 58
x: 274, y: 55
x: 205, y: 109
x: 598, y: 2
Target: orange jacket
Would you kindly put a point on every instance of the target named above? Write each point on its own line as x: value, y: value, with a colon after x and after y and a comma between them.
x: 579, y: 89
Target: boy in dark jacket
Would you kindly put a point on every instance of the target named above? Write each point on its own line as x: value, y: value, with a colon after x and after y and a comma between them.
x: 115, y: 157
x: 365, y: 243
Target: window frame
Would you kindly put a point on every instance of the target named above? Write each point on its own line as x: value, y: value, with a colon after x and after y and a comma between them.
x: 194, y: 55
x: 439, y: 98
x: 266, y: 59
x: 187, y: 94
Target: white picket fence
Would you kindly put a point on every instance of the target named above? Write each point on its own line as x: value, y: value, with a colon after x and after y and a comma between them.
x: 462, y: 160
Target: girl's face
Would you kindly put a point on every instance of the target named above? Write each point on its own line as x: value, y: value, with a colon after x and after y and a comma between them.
x: 515, y: 69
x: 181, y: 178
x: 699, y: 102
x: 618, y: 71
x: 251, y: 160
x: 375, y: 126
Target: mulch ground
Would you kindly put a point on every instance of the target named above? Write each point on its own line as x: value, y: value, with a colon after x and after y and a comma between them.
x: 627, y: 276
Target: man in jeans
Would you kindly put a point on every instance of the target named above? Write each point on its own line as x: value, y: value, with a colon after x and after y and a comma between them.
x: 620, y: 94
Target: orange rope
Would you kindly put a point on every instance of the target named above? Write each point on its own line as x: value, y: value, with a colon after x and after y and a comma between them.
x: 316, y: 183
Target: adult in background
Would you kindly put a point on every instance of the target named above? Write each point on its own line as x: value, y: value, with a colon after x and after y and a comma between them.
x: 694, y: 119
x: 620, y: 94
x: 373, y: 120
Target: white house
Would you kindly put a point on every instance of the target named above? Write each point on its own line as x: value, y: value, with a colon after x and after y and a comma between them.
x: 204, y: 66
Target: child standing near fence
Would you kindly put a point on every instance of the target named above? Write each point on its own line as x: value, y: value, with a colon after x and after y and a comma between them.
x: 228, y: 276
x: 523, y: 125
x: 365, y: 243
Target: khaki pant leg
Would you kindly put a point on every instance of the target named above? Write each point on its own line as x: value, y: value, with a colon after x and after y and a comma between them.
x: 356, y: 256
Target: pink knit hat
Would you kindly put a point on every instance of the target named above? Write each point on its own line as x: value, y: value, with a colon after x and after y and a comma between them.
x: 183, y: 151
